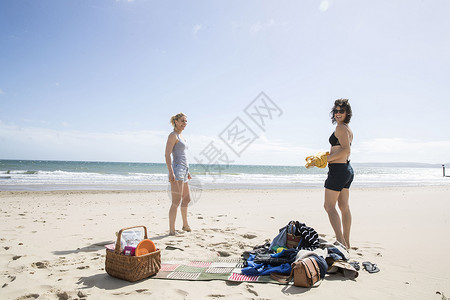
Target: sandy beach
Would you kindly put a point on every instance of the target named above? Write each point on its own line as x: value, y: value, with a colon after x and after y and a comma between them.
x: 52, y: 243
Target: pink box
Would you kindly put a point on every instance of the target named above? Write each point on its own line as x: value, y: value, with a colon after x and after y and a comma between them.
x: 128, y: 250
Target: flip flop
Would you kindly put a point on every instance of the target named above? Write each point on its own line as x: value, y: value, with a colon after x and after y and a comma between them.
x: 370, y: 267
x: 355, y: 265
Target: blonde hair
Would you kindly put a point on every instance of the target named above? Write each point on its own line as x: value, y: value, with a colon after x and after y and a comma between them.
x: 176, y: 117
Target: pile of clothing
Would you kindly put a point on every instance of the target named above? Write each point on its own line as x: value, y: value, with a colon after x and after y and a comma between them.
x: 278, y: 255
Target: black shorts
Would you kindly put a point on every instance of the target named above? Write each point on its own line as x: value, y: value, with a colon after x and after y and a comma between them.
x: 340, y: 176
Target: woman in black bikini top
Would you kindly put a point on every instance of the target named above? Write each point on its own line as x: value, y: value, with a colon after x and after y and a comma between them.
x: 340, y: 174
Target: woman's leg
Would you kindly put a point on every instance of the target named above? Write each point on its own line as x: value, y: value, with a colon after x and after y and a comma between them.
x: 177, y: 191
x: 331, y: 197
x: 344, y: 207
x: 184, y: 206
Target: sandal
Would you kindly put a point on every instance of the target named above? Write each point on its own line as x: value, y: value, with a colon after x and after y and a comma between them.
x: 355, y: 265
x: 370, y: 267
x: 187, y: 228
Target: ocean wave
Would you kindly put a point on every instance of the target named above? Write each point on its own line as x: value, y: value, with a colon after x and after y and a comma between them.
x: 20, y: 172
x: 83, y: 175
x: 59, y: 177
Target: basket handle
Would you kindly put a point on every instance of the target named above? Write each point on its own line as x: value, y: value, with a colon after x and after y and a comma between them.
x: 119, y: 236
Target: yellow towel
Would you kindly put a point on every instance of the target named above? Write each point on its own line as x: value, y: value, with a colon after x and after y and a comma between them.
x: 319, y: 160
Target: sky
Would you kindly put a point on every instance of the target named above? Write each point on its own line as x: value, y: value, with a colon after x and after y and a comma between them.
x: 99, y: 80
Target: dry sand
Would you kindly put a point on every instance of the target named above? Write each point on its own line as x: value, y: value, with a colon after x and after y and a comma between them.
x: 52, y: 243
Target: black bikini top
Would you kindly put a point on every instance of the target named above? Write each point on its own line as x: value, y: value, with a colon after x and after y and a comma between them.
x: 333, y: 140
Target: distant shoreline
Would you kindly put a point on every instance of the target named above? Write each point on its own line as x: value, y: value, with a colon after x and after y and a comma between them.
x: 218, y: 190
x: 206, y: 187
x: 361, y: 164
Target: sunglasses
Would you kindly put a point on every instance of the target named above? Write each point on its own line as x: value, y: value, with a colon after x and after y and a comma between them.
x: 340, y: 111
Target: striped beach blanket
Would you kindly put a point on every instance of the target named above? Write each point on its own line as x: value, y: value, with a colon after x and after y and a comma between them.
x: 228, y: 269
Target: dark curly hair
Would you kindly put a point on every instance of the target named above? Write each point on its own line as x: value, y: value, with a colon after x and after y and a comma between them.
x: 343, y: 103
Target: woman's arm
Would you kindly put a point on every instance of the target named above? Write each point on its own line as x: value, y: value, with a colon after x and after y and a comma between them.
x: 343, y: 135
x: 171, y: 141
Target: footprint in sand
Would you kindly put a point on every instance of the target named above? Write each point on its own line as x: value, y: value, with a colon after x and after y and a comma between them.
x: 242, y: 245
x: 62, y: 295
x: 40, y: 264
x: 82, y: 295
x: 182, y: 293
x: 29, y: 296
x: 224, y: 253
x: 250, y: 289
x: 11, y: 279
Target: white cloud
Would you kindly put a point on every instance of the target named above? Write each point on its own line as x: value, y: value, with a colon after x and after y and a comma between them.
x: 196, y: 29
x: 1, y: 92
x: 402, y: 150
x: 236, y: 25
x: 259, y: 26
x: 44, y: 143
x: 148, y: 146
x: 256, y: 27
x: 261, y: 151
x: 324, y: 5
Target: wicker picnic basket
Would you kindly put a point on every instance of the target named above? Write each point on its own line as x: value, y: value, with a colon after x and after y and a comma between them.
x: 132, y: 268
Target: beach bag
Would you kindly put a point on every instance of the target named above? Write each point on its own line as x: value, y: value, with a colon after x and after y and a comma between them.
x: 292, y: 240
x: 306, y: 273
x: 132, y: 268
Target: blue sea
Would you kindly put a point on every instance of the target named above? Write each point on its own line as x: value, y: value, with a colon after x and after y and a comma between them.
x: 38, y: 175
